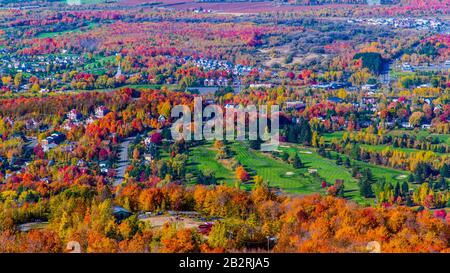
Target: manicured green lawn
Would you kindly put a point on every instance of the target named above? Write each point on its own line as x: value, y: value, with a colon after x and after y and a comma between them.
x: 327, y: 169
x: 444, y: 138
x: 53, y: 34
x: 380, y: 171
x: 421, y: 134
x: 283, y: 175
x: 329, y: 136
x: 99, y: 63
x: 204, y: 158
x: 398, y: 73
x: 56, y: 33
x: 379, y: 148
x: 275, y: 172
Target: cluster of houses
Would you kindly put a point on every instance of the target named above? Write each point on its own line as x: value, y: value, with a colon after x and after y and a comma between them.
x: 75, y: 118
x: 331, y: 85
x: 413, y: 23
x: 52, y: 141
x: 36, y: 63
x: 202, y: 10
x: 407, y: 67
x: 221, y: 81
x: 209, y: 64
x: 368, y: 103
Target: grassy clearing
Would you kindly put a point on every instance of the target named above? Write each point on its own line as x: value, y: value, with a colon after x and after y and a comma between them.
x: 397, y: 73
x: 98, y: 66
x: 444, y: 138
x: 204, y: 158
x: 283, y: 175
x: 421, y: 134
x: 327, y: 169
x: 379, y: 148
x: 57, y: 33
x: 90, y: 26
x: 378, y: 171
x: 330, y: 136
x: 275, y: 172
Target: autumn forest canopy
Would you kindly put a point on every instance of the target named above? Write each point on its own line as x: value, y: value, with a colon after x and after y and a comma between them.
x: 87, y: 155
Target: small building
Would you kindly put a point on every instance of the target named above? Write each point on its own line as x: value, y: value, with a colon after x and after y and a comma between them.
x: 161, y: 119
x: 148, y: 157
x: 69, y: 125
x: 147, y: 141
x: 406, y: 125
x: 335, y: 99
x: 52, y: 141
x: 208, y: 82
x: 101, y: 111
x: 407, y: 67
x: 369, y: 87
x: 120, y: 213
x: 297, y: 105
x: 31, y: 124
x: 260, y: 85
x: 74, y: 115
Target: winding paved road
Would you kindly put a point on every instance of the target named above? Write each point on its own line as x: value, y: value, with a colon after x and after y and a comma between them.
x: 124, y: 161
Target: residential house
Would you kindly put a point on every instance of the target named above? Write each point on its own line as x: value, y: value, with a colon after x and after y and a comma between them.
x: 74, y: 115
x: 52, y: 141
x: 101, y: 111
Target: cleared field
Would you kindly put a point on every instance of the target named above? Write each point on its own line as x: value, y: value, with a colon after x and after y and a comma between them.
x: 98, y: 66
x: 157, y: 222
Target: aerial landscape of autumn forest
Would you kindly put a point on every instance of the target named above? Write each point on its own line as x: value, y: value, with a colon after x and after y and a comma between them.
x: 106, y: 105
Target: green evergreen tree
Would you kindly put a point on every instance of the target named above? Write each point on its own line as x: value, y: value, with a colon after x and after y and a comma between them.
x: 397, y: 191
x: 445, y: 170
x: 405, y: 188
x: 347, y: 162
x: 365, y: 184
x: 285, y: 156
x: 296, y: 162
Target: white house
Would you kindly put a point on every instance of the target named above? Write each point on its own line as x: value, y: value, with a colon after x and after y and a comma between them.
x: 101, y: 111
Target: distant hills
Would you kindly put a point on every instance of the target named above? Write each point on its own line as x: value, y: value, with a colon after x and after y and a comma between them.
x: 355, y: 2
x: 316, y: 2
